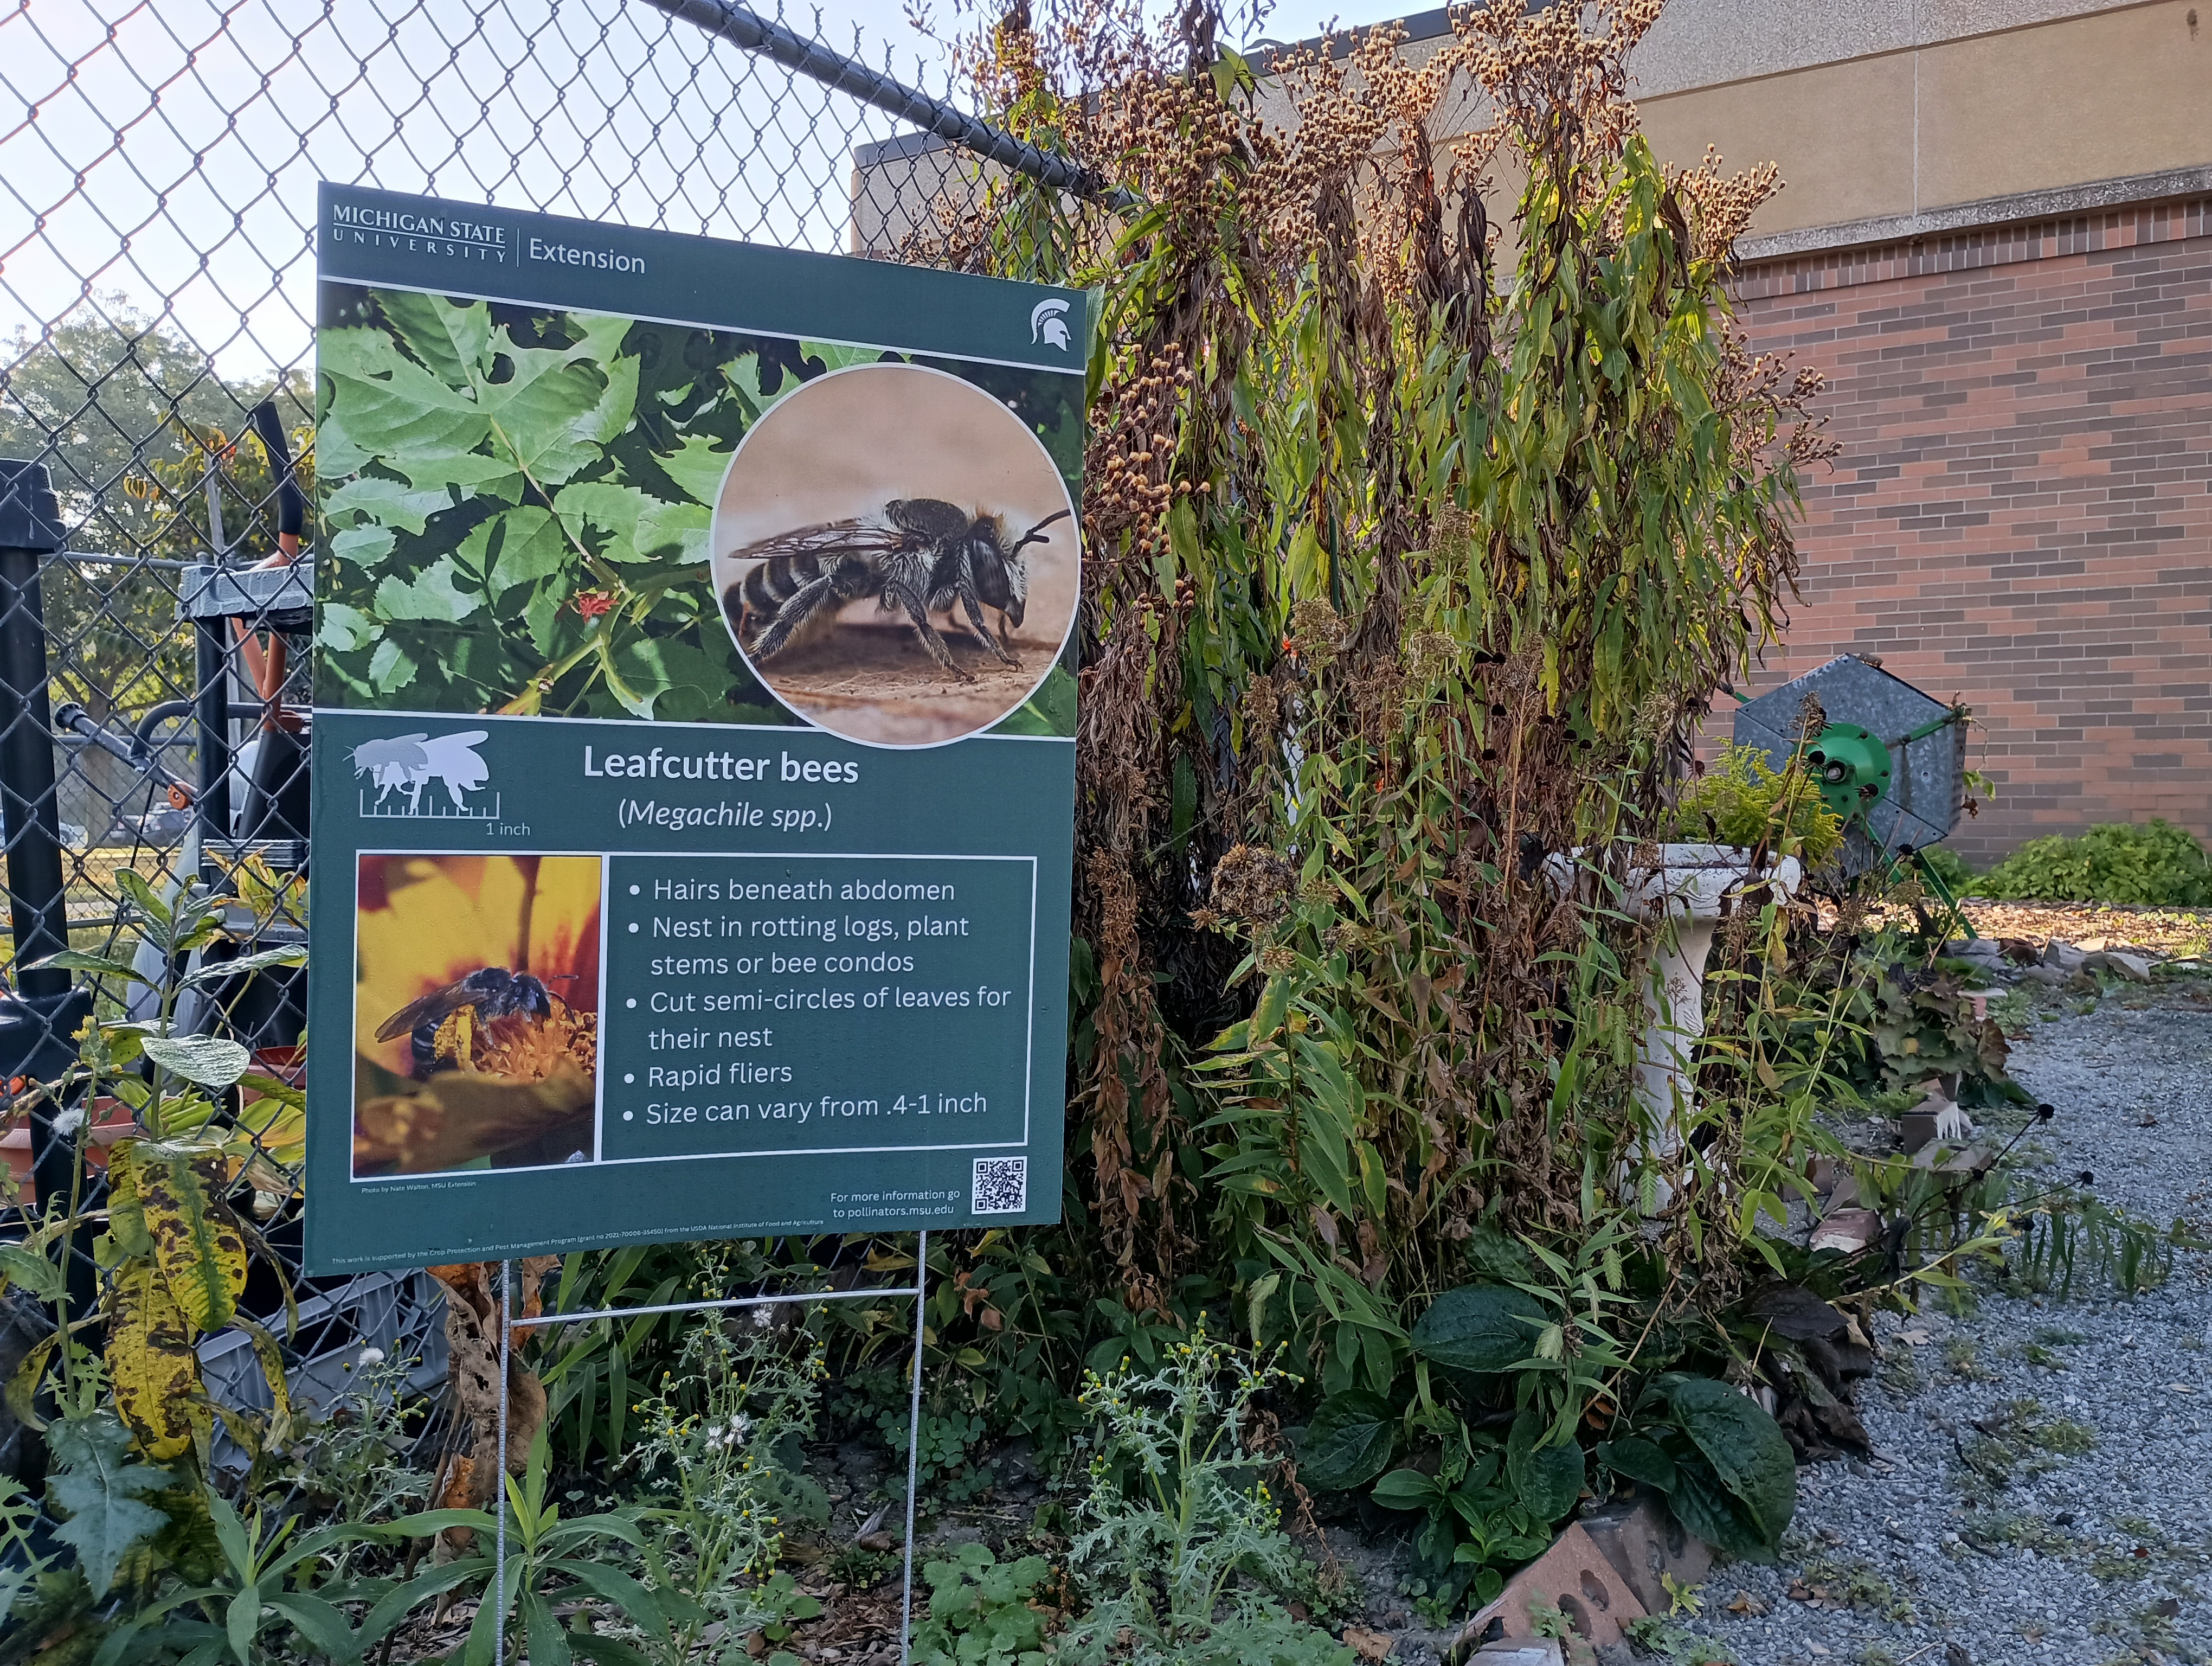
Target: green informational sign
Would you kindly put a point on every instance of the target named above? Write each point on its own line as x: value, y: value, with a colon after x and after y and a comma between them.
x: 693, y: 747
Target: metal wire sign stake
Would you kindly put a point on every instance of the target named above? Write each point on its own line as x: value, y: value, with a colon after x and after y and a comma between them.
x: 508, y: 1324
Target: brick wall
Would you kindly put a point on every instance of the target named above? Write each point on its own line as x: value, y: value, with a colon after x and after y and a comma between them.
x: 2020, y: 517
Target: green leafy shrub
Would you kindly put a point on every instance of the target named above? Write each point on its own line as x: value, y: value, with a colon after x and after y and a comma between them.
x: 2151, y: 863
x: 1178, y: 1545
x: 982, y: 1611
x: 1743, y: 800
x: 1725, y: 1467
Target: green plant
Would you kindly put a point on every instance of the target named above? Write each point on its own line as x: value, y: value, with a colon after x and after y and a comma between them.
x: 2150, y: 862
x: 1178, y: 1545
x: 1742, y: 799
x: 1726, y: 1470
x: 1654, y: 1635
x: 253, y: 1590
x: 2065, y: 1234
x: 983, y: 1612
x: 720, y: 1442
x: 353, y: 1463
x: 546, y: 1558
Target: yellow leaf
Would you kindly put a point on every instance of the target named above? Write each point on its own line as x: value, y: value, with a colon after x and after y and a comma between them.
x: 197, y: 1247
x: 151, y: 1363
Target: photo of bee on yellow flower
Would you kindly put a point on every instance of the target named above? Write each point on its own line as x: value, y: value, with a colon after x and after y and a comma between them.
x: 476, y: 1012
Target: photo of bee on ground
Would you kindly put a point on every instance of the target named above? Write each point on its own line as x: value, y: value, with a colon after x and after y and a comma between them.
x: 896, y: 555
x: 476, y: 1012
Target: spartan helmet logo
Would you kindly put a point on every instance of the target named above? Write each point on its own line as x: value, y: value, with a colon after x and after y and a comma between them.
x: 1048, y: 323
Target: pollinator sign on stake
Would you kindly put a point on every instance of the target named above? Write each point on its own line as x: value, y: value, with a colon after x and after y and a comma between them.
x: 694, y: 757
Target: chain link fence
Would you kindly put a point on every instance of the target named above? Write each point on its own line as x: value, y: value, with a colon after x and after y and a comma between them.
x: 158, y: 166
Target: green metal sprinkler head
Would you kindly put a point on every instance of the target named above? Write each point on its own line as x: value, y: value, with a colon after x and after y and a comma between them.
x: 1851, y: 766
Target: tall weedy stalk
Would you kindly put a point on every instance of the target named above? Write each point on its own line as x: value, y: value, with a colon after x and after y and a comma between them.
x: 1402, y: 583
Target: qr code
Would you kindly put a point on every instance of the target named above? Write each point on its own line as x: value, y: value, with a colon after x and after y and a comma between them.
x: 1002, y: 1186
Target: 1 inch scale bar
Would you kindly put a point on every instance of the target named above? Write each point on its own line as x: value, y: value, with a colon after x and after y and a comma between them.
x: 508, y: 1325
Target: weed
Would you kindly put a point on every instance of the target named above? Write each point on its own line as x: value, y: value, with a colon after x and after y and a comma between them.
x: 2011, y: 1011
x: 1859, y: 1585
x: 720, y: 1441
x: 1900, y: 1373
x: 1960, y: 1360
x: 2022, y: 1532
x: 2054, y: 1336
x: 983, y: 1612
x: 1662, y: 1640
x: 2036, y: 1354
x: 2116, y: 1564
x: 1877, y: 1654
x: 1179, y: 1546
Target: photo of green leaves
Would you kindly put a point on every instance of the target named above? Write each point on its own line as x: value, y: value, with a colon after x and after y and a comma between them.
x: 516, y: 504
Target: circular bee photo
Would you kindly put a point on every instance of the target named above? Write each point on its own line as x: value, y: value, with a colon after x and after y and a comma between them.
x: 896, y: 556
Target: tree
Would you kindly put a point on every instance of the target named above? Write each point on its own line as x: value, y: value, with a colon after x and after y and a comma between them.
x: 131, y: 418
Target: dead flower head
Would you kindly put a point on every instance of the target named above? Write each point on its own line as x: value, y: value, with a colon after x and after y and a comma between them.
x: 1316, y: 632
x: 1253, y: 885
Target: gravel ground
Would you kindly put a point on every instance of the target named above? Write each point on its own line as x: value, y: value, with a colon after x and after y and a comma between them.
x: 2040, y: 1492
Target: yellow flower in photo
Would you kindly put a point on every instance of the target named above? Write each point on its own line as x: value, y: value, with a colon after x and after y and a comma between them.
x: 425, y: 922
x: 474, y: 1079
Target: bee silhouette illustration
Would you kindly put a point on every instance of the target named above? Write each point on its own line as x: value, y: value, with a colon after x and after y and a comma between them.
x: 924, y: 555
x: 493, y: 992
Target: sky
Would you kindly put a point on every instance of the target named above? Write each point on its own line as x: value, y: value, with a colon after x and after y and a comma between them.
x: 171, y: 151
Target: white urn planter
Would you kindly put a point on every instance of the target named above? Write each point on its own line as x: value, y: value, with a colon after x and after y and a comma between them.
x: 1685, y: 892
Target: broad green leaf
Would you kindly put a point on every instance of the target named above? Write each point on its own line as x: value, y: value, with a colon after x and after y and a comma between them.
x: 364, y: 546
x: 645, y: 669
x: 76, y: 960
x: 32, y: 1273
x: 261, y: 960
x: 318, y: 1622
x: 1274, y: 1003
x: 1547, y: 1480
x: 617, y: 402
x: 1640, y: 1460
x: 433, y: 594
x: 242, y: 1620
x: 1702, y: 1504
x: 1750, y: 1456
x: 1406, y: 1489
x: 539, y: 412
x: 697, y: 467
x: 384, y: 504
x: 100, y: 1487
x: 391, y: 667
x: 638, y: 527
x: 390, y: 405
x: 515, y: 547
x: 210, y: 1060
x: 548, y: 1643
x: 1484, y: 1328
x: 471, y: 473
x: 343, y: 629
x: 1349, y: 1442
x: 454, y: 341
